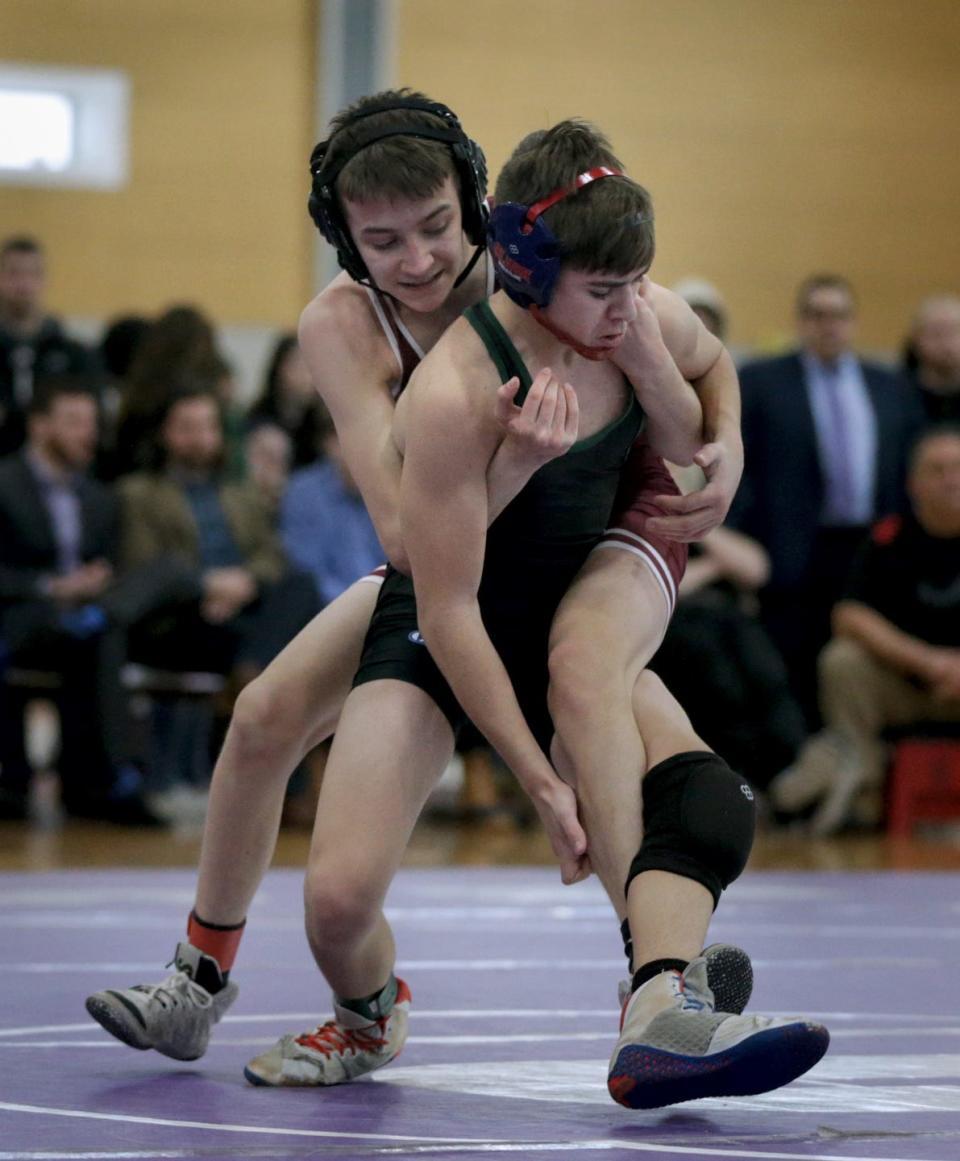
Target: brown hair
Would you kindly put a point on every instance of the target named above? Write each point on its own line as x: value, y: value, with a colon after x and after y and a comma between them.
x: 20, y: 244
x: 822, y: 282
x: 396, y: 167
x: 607, y: 225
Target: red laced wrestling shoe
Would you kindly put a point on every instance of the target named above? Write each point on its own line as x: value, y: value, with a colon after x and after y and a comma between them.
x: 344, y: 1048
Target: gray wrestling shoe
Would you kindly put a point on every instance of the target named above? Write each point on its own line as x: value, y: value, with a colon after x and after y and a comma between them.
x: 174, y: 1017
x: 729, y: 977
x: 348, y: 1046
x: 674, y: 1046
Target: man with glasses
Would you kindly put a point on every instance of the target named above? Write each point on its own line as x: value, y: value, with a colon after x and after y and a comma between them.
x: 826, y: 435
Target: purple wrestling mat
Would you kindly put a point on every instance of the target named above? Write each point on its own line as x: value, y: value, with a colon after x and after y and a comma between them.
x: 514, y: 982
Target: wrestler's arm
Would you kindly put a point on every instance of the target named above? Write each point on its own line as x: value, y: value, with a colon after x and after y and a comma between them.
x: 451, y: 438
x: 704, y: 361
x: 336, y: 350
x: 674, y: 420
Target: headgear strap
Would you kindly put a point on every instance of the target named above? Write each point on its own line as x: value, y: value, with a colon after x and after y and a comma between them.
x: 558, y: 195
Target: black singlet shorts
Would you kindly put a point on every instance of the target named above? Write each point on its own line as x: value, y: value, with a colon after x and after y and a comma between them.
x: 394, y: 650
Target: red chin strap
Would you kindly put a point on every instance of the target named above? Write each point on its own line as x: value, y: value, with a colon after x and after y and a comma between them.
x: 597, y: 354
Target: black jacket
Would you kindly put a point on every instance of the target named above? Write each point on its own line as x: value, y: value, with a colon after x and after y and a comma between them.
x: 28, y: 548
x: 781, y: 494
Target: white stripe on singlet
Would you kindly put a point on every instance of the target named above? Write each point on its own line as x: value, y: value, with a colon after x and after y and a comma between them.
x: 649, y: 555
x: 404, y: 330
x: 385, y: 327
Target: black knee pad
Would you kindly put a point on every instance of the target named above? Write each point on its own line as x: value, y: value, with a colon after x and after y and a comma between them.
x: 698, y: 821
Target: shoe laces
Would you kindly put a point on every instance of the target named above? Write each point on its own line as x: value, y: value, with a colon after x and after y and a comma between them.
x: 175, y: 990
x: 691, y: 1000
x: 333, y: 1037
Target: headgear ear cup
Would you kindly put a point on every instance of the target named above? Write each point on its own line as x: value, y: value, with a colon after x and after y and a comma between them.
x: 527, y: 257
x: 469, y: 164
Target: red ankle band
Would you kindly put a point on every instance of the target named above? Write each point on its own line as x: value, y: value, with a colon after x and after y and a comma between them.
x: 212, y: 939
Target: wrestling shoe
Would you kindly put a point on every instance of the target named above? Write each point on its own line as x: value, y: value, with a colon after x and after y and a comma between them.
x: 176, y: 1016
x: 344, y: 1048
x: 687, y: 1050
x: 729, y: 978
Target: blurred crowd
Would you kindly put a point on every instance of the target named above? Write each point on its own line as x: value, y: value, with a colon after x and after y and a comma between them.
x: 160, y: 544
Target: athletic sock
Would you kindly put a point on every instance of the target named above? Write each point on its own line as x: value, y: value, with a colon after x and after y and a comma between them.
x: 219, y: 941
x: 376, y: 1006
x: 627, y: 943
x: 656, y: 967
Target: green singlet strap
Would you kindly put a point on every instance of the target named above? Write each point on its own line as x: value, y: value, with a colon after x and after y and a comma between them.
x: 500, y: 348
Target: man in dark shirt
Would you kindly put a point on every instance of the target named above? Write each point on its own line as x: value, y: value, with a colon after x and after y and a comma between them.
x: 895, y: 656
x: 33, y: 344
x: 932, y: 358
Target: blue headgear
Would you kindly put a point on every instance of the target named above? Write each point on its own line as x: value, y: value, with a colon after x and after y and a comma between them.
x: 526, y: 252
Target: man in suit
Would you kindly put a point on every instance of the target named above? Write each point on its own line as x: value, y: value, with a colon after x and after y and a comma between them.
x: 247, y: 604
x: 61, y: 608
x: 826, y: 436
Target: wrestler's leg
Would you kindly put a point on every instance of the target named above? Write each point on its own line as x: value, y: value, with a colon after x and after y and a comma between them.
x: 376, y: 784
x: 278, y: 718
x: 374, y: 789
x: 607, y: 628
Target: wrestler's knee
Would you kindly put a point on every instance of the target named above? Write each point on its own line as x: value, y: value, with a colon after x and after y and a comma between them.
x: 580, y: 680
x: 265, y: 715
x: 698, y: 821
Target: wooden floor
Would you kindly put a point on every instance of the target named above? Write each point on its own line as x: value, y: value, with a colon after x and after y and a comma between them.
x: 51, y: 846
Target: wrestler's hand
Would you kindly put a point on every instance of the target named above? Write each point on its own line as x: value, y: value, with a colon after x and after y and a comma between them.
x: 642, y: 352
x: 545, y: 425
x: 556, y: 804
x: 692, y: 516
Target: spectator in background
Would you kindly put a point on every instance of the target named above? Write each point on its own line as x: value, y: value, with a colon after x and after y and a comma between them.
x: 719, y: 663
x: 324, y: 523
x: 118, y: 347
x: 62, y: 609
x: 179, y: 352
x: 825, y: 437
x: 716, y: 658
x: 268, y: 453
x: 707, y: 304
x: 120, y: 343
x: 248, y: 604
x: 895, y: 656
x: 932, y: 357
x: 290, y: 401
x: 33, y: 344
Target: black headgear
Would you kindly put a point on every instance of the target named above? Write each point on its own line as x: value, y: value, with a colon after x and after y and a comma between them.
x: 469, y: 163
